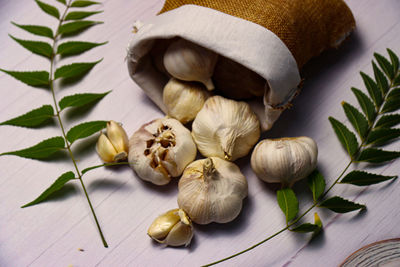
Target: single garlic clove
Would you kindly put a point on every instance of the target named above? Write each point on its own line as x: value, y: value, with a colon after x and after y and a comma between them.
x: 105, y: 149
x: 190, y: 62
x: 284, y: 160
x: 212, y: 190
x: 118, y: 137
x: 184, y: 99
x: 225, y: 128
x: 173, y: 228
x: 161, y: 149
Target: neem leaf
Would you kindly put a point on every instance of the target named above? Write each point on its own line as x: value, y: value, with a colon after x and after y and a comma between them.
x: 305, y: 228
x: 74, y: 69
x: 391, y: 105
x: 372, y: 88
x: 36, y: 29
x: 394, y: 95
x: 36, y: 47
x: 62, y: 1
x: 382, y: 135
x: 76, y: 15
x: 385, y: 65
x: 79, y: 100
x: 345, y: 136
x: 374, y: 155
x: 341, y: 205
x: 84, y: 130
x: 76, y: 27
x: 76, y: 48
x: 362, y: 178
x: 394, y: 59
x: 57, y: 185
x: 79, y: 3
x: 380, y: 78
x: 366, y: 104
x: 32, y: 78
x: 316, y: 183
x: 34, y: 118
x: 41, y: 150
x: 51, y: 10
x: 288, y: 203
x: 357, y: 119
x: 388, y: 121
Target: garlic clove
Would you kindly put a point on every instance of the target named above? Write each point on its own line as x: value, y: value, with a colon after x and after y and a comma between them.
x: 105, y: 149
x: 163, y: 224
x: 284, y: 160
x: 225, y: 128
x: 190, y: 62
x: 117, y: 136
x: 184, y: 99
x: 212, y: 190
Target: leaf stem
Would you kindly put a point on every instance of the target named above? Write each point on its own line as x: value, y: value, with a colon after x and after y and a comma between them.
x: 51, y: 84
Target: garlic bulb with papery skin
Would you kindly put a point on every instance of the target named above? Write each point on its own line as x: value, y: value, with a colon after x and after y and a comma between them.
x: 225, y: 128
x: 284, y: 160
x: 113, y: 146
x: 212, y: 190
x: 190, y: 62
x: 184, y: 99
x: 172, y: 228
x: 161, y: 149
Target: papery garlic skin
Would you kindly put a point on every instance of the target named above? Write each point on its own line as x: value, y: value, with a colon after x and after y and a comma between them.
x: 113, y: 147
x: 184, y: 99
x: 212, y: 190
x: 161, y: 149
x: 284, y: 160
x: 190, y: 62
x: 225, y: 128
x: 173, y: 228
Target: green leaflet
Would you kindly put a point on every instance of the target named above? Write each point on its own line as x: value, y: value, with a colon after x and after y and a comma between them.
x: 341, y: 205
x: 49, y: 9
x: 366, y: 104
x: 74, y: 69
x: 36, y: 47
x: 357, y: 119
x: 373, y: 89
x: 79, y: 3
x: 36, y: 29
x: 56, y: 186
x: 381, y: 80
x: 362, y: 178
x: 385, y: 65
x: 391, y: 106
x: 85, y: 129
x: 394, y: 59
x: 76, y: 15
x: 305, y: 228
x: 62, y: 2
x: 33, y: 118
x: 76, y: 48
x: 316, y: 183
x: 387, y: 121
x: 79, y: 100
x: 76, y: 27
x: 394, y: 95
x: 374, y: 155
x: 288, y: 203
x: 42, y: 150
x: 381, y: 136
x: 396, y: 81
x: 345, y: 136
x: 32, y: 78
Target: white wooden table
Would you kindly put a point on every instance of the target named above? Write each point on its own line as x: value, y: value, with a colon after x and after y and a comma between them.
x: 62, y: 232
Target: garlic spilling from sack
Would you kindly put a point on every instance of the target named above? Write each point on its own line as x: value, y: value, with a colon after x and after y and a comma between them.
x: 113, y: 146
x: 284, y: 160
x: 161, y: 149
x: 172, y: 228
x: 190, y: 62
x: 212, y: 190
x: 225, y: 128
x: 184, y: 99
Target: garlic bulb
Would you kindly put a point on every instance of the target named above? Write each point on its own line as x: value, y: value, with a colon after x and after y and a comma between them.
x: 113, y: 146
x: 184, y: 99
x: 161, y: 149
x: 212, y: 190
x: 225, y: 128
x: 190, y: 62
x: 172, y: 228
x: 284, y: 160
x: 236, y: 81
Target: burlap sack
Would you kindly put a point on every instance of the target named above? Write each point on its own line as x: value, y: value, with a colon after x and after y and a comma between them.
x: 273, y: 38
